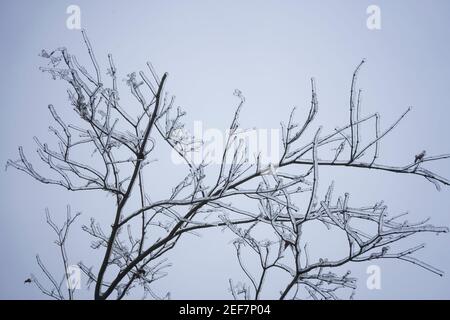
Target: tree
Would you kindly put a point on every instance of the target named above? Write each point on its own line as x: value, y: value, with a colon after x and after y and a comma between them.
x: 285, y: 193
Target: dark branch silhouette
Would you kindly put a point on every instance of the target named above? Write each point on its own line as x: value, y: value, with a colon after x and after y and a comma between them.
x: 143, y: 230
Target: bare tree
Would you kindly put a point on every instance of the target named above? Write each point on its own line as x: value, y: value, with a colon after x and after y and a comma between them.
x: 144, y: 230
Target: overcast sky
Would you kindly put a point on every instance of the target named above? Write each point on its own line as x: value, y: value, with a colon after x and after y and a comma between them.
x: 268, y: 50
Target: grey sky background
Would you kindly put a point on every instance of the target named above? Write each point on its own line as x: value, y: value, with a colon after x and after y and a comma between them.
x: 267, y: 49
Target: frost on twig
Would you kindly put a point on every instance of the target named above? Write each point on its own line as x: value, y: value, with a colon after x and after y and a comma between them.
x: 59, y: 290
x: 134, y: 246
